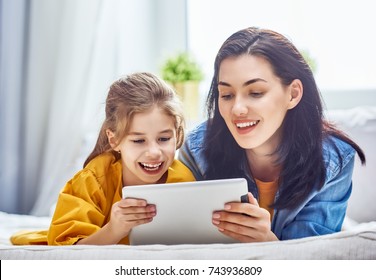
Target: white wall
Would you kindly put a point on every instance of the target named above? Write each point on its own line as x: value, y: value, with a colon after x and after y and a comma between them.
x: 339, y: 34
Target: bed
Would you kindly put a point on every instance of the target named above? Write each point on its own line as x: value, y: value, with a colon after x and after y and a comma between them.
x: 357, y: 242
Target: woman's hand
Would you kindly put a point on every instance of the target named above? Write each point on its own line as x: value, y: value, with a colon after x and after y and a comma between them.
x: 246, y: 222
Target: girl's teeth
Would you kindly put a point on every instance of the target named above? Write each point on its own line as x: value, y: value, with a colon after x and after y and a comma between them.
x: 151, y: 167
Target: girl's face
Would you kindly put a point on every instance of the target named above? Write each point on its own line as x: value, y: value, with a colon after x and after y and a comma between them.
x: 253, y: 101
x: 149, y: 148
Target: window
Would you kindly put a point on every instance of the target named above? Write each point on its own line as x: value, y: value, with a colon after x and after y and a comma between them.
x: 338, y: 34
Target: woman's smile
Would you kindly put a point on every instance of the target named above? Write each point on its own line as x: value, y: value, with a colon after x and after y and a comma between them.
x: 244, y: 127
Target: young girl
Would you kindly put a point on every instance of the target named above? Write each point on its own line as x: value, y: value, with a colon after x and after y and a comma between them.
x: 266, y: 124
x: 136, y: 145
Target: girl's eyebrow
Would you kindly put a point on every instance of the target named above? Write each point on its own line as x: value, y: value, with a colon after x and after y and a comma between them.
x: 167, y: 131
x: 247, y: 83
x: 135, y: 133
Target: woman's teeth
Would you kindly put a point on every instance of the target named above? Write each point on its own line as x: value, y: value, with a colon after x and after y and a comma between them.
x: 246, y: 124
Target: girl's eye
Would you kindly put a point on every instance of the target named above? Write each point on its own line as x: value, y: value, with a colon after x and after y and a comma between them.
x: 138, y: 141
x: 164, y: 139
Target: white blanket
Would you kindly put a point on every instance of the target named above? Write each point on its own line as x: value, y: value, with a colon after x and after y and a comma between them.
x: 358, y: 242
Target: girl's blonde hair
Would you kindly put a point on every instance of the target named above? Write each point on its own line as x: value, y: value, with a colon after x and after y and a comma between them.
x: 136, y: 93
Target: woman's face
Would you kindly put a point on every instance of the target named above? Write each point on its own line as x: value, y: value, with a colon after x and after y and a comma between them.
x: 253, y: 102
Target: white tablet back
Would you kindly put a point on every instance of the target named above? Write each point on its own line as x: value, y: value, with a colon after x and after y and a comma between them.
x: 184, y: 211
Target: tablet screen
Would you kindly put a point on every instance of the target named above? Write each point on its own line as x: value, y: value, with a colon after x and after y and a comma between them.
x: 184, y: 211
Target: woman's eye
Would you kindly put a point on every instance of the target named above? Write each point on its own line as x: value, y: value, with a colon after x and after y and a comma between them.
x: 164, y: 139
x: 256, y: 94
x: 226, y: 96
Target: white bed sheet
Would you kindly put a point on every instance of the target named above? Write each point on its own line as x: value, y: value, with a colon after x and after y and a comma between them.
x: 11, y: 223
x: 358, y: 242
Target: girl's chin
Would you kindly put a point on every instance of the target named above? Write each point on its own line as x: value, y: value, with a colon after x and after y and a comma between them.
x: 152, y: 177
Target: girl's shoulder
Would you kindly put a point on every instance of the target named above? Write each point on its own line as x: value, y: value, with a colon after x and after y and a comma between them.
x: 98, y: 176
x: 101, y: 167
x: 178, y: 172
x: 102, y: 163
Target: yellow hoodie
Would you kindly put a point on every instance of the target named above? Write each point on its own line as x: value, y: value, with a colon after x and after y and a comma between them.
x: 84, y: 204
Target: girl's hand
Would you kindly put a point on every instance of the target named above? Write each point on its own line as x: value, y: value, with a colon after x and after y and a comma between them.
x: 128, y: 213
x: 246, y: 222
x: 125, y: 214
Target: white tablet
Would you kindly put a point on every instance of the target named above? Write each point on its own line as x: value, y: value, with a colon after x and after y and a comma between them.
x: 184, y: 211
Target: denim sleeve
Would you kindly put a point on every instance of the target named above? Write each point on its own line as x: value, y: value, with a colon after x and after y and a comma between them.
x: 324, y: 211
x: 191, y: 153
x: 185, y: 156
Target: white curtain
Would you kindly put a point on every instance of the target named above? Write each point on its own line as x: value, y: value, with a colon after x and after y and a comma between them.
x: 13, y: 18
x: 75, y: 50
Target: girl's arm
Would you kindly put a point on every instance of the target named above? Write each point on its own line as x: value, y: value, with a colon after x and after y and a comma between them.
x: 125, y: 214
x: 81, y: 214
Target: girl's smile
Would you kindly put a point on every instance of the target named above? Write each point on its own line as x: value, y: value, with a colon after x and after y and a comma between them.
x: 151, y: 168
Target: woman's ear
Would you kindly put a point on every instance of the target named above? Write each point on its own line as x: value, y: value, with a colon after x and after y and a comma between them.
x: 296, y: 93
x: 111, y: 139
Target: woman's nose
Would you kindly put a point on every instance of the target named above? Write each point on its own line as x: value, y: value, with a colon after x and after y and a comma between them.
x: 239, y: 108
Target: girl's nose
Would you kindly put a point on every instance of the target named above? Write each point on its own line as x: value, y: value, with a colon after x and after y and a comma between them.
x: 153, y: 150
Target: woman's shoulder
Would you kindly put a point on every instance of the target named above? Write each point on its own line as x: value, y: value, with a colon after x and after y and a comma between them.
x: 195, y: 137
x: 337, y: 153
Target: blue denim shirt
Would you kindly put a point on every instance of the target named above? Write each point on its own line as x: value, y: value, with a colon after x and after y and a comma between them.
x: 322, y: 212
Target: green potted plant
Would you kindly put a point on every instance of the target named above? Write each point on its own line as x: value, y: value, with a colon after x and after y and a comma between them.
x: 309, y: 59
x: 184, y: 74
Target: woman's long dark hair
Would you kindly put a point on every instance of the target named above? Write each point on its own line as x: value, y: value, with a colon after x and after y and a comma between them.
x: 304, y: 128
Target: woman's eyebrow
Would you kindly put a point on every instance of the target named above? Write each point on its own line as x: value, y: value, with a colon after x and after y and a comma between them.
x: 252, y: 81
x: 247, y: 83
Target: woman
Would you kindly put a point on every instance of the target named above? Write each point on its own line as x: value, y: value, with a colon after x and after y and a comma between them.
x: 266, y: 124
